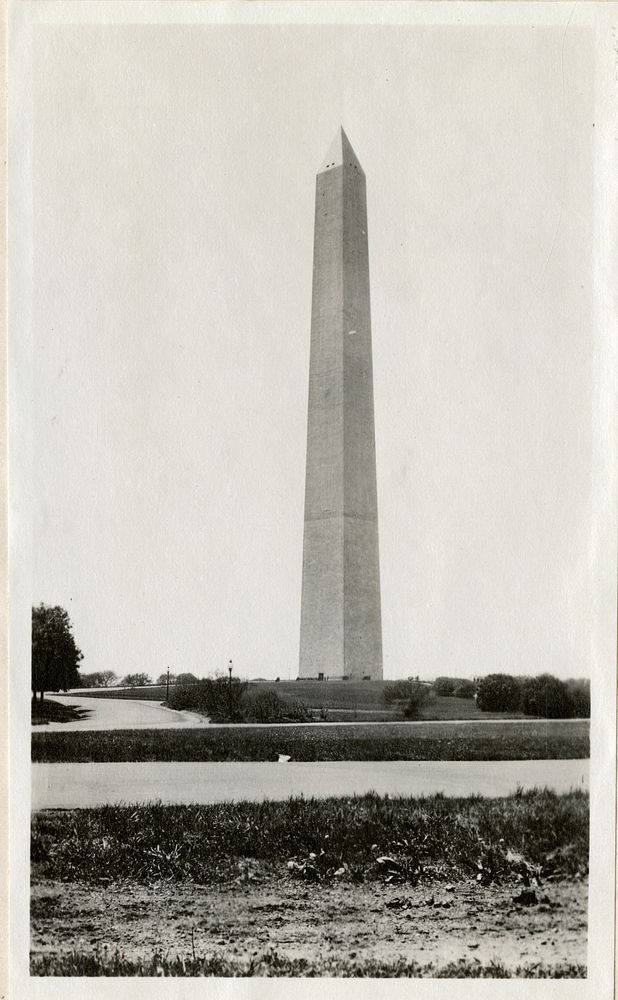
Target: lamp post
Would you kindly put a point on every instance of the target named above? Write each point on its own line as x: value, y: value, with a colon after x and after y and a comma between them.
x: 229, y: 667
x: 167, y: 696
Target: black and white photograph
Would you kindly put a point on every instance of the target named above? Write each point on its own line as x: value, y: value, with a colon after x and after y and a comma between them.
x: 312, y: 490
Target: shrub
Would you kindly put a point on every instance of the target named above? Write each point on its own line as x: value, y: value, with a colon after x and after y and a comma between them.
x: 544, y: 696
x: 162, y: 679
x: 297, y: 711
x: 399, y: 691
x: 136, y: 680
x: 265, y: 706
x: 499, y: 693
x: 444, y: 687
x: 218, y: 697
x: 547, y: 697
x: 409, y: 695
x: 454, y: 687
x: 186, y: 679
x: 579, y: 690
x: 419, y: 695
x: 464, y: 689
x: 232, y: 701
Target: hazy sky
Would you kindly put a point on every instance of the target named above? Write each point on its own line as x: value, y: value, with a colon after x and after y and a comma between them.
x: 173, y: 187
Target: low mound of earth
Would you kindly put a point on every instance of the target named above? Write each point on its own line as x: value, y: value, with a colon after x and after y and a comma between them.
x: 269, y: 925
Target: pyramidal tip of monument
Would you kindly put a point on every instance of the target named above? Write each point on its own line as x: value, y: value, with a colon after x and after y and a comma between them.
x: 340, y: 153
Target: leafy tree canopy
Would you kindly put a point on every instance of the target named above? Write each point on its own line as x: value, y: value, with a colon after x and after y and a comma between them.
x: 55, y: 655
x: 162, y: 678
x: 464, y: 689
x: 99, y: 679
x: 136, y: 680
x: 499, y: 693
x: 544, y: 696
x: 579, y: 691
x: 547, y: 697
x: 444, y: 687
x: 186, y: 679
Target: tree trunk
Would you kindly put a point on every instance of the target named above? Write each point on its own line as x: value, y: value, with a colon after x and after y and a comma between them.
x: 42, y: 693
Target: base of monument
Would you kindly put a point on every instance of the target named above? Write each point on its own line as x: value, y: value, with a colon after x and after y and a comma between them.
x: 338, y: 677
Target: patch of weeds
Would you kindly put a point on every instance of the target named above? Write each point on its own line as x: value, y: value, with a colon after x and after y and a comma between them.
x: 520, y: 838
x: 104, y: 962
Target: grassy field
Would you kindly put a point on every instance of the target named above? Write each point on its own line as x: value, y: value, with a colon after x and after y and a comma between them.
x: 424, y: 839
x: 364, y: 696
x: 315, y: 694
x: 339, y: 701
x: 388, y: 741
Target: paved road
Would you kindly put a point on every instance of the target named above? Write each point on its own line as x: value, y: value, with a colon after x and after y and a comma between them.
x: 120, y: 713
x: 69, y: 786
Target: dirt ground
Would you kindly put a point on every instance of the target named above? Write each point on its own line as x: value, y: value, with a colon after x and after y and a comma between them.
x: 436, y: 924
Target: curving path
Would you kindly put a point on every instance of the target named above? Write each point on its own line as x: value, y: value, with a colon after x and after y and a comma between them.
x: 120, y: 713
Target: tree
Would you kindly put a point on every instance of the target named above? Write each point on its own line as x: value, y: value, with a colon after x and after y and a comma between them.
x: 186, y: 679
x: 454, y: 687
x: 137, y: 680
x: 464, y: 689
x: 444, y: 687
x: 579, y: 691
x: 55, y: 656
x: 547, y: 697
x: 162, y: 678
x: 398, y: 691
x: 90, y: 680
x: 99, y: 679
x: 419, y: 695
x: 410, y: 696
x: 499, y: 693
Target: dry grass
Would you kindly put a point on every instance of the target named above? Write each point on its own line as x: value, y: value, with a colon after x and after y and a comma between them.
x: 425, y: 839
x: 271, y: 963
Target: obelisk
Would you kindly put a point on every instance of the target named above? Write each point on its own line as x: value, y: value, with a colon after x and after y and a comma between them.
x: 341, y: 629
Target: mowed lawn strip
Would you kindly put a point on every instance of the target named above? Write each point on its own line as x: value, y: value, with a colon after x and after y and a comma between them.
x: 554, y: 740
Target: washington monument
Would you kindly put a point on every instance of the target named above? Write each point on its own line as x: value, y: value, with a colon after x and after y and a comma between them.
x: 341, y: 630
